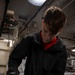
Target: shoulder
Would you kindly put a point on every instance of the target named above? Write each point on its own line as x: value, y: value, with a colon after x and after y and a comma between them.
x: 60, y: 42
x: 60, y: 46
x: 32, y: 36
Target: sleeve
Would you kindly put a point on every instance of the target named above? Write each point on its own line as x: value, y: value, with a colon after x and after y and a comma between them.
x: 17, y: 55
x: 60, y: 65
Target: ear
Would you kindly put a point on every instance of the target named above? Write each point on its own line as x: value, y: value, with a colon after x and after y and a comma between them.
x: 59, y: 31
x: 42, y: 22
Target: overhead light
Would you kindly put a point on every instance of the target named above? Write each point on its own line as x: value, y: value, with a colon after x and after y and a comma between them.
x: 73, y: 50
x: 37, y: 2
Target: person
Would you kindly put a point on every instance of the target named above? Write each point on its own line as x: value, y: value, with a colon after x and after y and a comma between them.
x: 46, y: 54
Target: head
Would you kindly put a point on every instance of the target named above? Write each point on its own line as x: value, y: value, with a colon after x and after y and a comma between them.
x: 52, y: 24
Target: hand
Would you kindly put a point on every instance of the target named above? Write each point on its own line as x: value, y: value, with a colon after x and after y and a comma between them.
x: 10, y: 72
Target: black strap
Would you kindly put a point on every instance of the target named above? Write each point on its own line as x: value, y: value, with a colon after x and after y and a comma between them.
x: 2, y: 23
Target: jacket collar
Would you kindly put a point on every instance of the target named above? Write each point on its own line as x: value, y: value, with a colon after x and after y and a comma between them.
x: 38, y: 40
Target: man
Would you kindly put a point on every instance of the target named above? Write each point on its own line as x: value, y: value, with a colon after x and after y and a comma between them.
x: 46, y: 55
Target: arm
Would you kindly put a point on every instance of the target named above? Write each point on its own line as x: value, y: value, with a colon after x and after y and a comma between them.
x: 16, y: 56
x: 61, y: 64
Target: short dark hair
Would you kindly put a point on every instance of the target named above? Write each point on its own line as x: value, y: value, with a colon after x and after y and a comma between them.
x: 54, y: 18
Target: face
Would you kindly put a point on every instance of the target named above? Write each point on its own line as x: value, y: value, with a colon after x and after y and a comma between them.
x: 47, y: 36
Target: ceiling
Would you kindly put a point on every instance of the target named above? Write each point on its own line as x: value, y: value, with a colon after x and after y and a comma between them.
x: 28, y: 13
x: 23, y: 9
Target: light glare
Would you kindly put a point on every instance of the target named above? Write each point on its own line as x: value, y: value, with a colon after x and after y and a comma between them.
x: 37, y: 2
x: 73, y: 50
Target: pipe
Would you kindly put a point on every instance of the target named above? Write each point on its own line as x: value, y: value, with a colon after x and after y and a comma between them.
x: 68, y: 4
x: 2, y: 24
x: 33, y: 16
x: 69, y: 38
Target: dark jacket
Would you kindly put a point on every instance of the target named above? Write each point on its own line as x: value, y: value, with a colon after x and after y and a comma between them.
x: 39, y: 61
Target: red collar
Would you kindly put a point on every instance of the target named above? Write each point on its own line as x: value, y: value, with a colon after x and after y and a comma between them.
x: 51, y: 43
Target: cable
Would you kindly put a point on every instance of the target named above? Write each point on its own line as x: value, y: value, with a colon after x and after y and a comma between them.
x: 2, y: 23
x: 32, y: 17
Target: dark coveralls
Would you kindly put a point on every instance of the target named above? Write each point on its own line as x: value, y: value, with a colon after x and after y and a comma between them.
x: 39, y: 61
